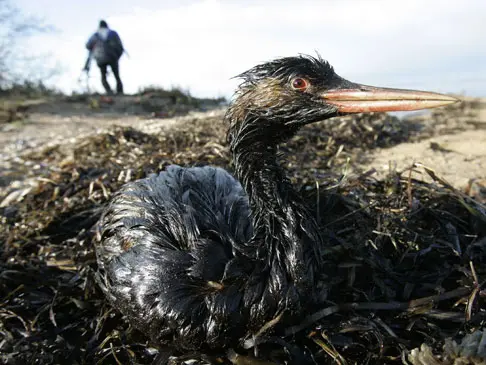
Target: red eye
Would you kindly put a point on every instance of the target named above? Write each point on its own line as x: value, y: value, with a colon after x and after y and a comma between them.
x: 300, y: 84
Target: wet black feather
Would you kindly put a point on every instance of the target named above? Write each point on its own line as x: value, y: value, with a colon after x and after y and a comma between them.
x: 198, y: 259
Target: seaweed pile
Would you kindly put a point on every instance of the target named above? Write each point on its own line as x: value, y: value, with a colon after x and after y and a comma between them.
x: 408, y: 258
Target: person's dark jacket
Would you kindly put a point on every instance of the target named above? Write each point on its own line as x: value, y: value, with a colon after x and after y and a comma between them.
x: 105, y: 46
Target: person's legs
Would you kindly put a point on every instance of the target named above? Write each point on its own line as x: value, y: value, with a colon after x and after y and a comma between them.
x: 116, y: 72
x: 104, y: 81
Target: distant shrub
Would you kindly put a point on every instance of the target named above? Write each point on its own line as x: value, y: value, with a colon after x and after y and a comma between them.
x: 178, y: 95
x: 29, y: 89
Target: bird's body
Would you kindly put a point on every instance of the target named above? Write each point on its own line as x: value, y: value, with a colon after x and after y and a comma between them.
x: 205, y: 268
x: 183, y: 225
x: 198, y: 258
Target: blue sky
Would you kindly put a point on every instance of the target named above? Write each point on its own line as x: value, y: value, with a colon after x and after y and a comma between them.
x: 438, y: 45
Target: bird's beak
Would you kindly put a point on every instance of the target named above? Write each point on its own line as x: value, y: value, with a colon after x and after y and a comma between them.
x: 363, y: 98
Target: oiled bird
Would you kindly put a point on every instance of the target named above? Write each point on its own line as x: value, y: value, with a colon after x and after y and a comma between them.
x: 198, y: 258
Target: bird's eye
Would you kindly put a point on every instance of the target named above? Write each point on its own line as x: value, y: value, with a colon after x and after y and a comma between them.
x: 300, y: 84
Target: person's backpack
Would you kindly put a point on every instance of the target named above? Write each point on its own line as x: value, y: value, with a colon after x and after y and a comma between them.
x: 114, y: 44
x: 109, y: 49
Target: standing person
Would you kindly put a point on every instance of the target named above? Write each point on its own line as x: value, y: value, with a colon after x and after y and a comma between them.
x: 106, y: 47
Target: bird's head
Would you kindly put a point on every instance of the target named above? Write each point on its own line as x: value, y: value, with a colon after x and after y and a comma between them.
x: 280, y: 96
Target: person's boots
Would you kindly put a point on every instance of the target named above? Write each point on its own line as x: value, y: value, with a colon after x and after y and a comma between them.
x: 106, y: 85
x: 119, y: 87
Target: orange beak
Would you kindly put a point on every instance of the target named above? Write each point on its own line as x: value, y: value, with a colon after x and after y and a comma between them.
x: 363, y: 98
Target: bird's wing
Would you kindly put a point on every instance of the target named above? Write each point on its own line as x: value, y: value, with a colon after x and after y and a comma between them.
x: 167, y: 244
x: 177, y: 209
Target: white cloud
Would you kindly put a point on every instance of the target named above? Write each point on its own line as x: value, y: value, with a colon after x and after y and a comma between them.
x: 435, y: 44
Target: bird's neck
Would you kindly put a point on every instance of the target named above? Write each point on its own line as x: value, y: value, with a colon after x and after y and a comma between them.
x: 284, y: 230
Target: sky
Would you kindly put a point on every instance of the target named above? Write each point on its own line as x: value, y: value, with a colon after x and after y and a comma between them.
x: 200, y: 45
